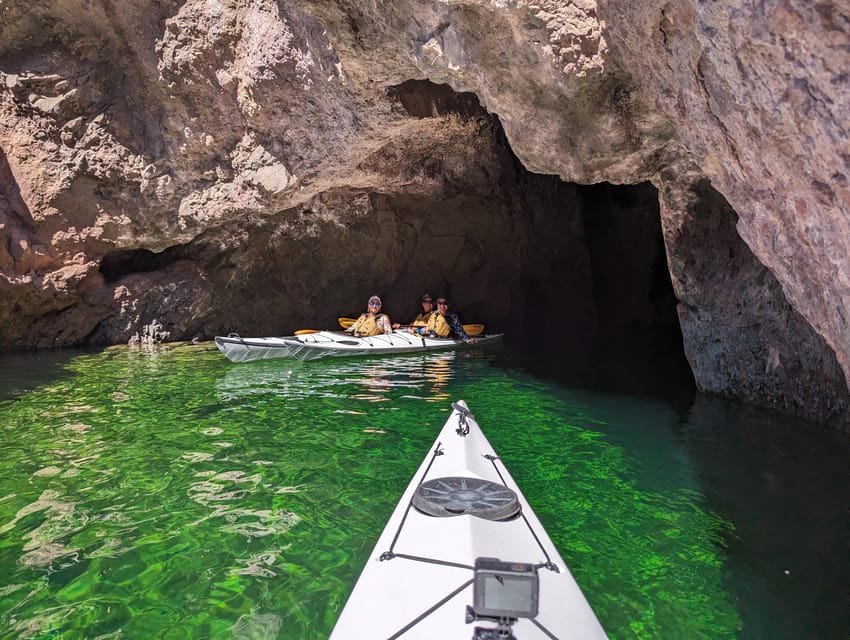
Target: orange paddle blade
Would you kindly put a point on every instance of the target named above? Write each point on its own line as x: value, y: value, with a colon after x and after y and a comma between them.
x: 473, y: 329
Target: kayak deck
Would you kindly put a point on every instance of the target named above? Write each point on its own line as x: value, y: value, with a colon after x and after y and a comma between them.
x: 417, y: 582
x: 323, y: 344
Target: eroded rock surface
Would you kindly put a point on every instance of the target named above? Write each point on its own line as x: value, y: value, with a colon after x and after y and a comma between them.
x: 180, y: 161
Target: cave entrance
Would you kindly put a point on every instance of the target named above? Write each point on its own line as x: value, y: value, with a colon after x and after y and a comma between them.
x: 571, y: 273
x: 607, y: 309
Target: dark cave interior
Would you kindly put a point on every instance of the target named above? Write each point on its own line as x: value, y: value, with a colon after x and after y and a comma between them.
x: 631, y: 339
x: 118, y: 264
x: 604, y: 292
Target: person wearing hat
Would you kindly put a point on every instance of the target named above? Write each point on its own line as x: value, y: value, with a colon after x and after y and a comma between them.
x: 373, y: 322
x: 422, y: 319
x: 443, y: 324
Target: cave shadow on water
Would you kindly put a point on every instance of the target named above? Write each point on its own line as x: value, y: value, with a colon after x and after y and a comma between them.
x: 785, y: 485
x: 645, y: 363
x: 781, y: 482
x: 23, y: 372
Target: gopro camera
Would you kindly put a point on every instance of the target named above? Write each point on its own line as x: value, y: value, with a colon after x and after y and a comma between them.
x: 504, y: 589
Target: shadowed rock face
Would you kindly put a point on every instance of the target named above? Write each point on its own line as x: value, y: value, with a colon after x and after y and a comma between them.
x: 259, y: 166
x: 741, y: 335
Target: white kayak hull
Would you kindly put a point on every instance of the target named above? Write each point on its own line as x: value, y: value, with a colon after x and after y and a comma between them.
x: 324, y: 344
x: 417, y: 581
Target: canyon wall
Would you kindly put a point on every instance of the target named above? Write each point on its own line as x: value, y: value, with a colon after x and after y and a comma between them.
x: 180, y: 160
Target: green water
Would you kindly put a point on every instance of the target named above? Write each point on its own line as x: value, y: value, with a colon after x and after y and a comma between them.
x: 173, y: 494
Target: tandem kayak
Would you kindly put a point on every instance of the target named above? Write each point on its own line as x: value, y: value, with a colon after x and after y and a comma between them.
x: 464, y: 556
x: 323, y: 344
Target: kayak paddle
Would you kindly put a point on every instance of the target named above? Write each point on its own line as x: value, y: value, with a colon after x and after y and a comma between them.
x: 471, y: 329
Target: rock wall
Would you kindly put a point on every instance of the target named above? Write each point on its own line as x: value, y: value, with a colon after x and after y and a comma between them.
x: 742, y: 337
x: 760, y: 99
x: 251, y: 144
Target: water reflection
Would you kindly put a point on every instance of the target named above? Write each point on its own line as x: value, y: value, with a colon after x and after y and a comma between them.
x: 255, y: 626
x: 223, y: 493
x: 22, y: 372
x: 45, y: 541
x: 421, y: 376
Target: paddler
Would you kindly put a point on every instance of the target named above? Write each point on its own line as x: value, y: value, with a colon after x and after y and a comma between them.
x: 443, y: 324
x: 422, y: 318
x: 373, y: 322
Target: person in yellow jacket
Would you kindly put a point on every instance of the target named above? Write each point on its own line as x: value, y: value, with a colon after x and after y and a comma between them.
x: 443, y: 324
x: 422, y: 318
x: 373, y: 322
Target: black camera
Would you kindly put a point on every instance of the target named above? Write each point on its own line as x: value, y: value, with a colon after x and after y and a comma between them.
x: 502, y: 592
x: 505, y: 589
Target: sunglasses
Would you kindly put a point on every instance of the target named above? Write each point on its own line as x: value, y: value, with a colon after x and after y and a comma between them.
x: 374, y: 304
x: 442, y: 301
x: 427, y: 302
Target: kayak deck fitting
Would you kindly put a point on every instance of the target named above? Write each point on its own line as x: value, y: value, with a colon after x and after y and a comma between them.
x: 464, y: 556
x: 323, y: 344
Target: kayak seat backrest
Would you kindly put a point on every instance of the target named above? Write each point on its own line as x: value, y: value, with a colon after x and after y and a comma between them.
x: 454, y: 496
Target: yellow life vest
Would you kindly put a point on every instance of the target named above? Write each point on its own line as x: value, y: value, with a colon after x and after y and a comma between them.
x: 366, y: 325
x: 437, y: 323
x: 422, y: 319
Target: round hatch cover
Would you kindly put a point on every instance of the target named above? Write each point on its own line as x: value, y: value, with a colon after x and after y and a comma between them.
x: 454, y: 496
